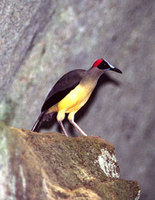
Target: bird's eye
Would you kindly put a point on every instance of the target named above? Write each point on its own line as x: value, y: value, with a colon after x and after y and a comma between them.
x: 103, y: 65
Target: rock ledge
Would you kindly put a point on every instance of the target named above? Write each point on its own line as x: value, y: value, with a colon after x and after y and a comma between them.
x: 52, y: 166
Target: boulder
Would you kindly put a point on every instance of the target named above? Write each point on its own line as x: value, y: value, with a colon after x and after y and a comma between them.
x: 52, y: 166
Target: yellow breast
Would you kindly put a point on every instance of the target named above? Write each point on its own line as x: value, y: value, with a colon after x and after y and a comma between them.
x: 75, y: 99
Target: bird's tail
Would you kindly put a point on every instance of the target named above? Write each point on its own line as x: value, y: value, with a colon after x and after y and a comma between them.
x: 38, y: 122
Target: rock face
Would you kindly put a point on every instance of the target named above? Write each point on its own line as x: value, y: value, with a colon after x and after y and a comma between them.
x: 53, y: 166
x: 41, y: 40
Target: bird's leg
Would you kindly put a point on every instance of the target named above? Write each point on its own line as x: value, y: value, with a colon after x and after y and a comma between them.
x: 63, y: 128
x: 60, y: 118
x: 71, y: 119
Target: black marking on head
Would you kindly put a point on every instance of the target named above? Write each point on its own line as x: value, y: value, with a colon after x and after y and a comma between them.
x: 104, y: 65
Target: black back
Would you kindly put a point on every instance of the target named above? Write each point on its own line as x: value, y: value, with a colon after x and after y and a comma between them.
x: 63, y: 86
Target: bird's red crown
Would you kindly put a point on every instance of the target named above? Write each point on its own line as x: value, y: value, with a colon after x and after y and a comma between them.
x: 97, y: 62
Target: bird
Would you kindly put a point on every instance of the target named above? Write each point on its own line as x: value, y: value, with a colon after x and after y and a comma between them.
x: 71, y: 92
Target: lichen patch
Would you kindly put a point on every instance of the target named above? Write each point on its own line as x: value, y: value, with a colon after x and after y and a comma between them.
x: 108, y: 163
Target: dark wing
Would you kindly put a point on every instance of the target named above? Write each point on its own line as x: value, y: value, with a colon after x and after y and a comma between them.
x: 63, y: 86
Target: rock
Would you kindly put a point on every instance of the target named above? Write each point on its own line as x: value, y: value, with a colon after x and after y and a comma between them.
x: 53, y: 166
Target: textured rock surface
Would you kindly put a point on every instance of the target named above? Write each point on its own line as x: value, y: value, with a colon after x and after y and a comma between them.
x: 53, y: 166
x: 40, y: 40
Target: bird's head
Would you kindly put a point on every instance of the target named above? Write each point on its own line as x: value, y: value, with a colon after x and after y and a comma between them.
x: 105, y: 66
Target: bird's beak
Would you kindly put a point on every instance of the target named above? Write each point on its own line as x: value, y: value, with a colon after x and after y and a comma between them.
x: 112, y: 68
x: 116, y: 70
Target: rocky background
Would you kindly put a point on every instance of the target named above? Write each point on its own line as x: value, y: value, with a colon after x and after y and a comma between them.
x: 41, y: 40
